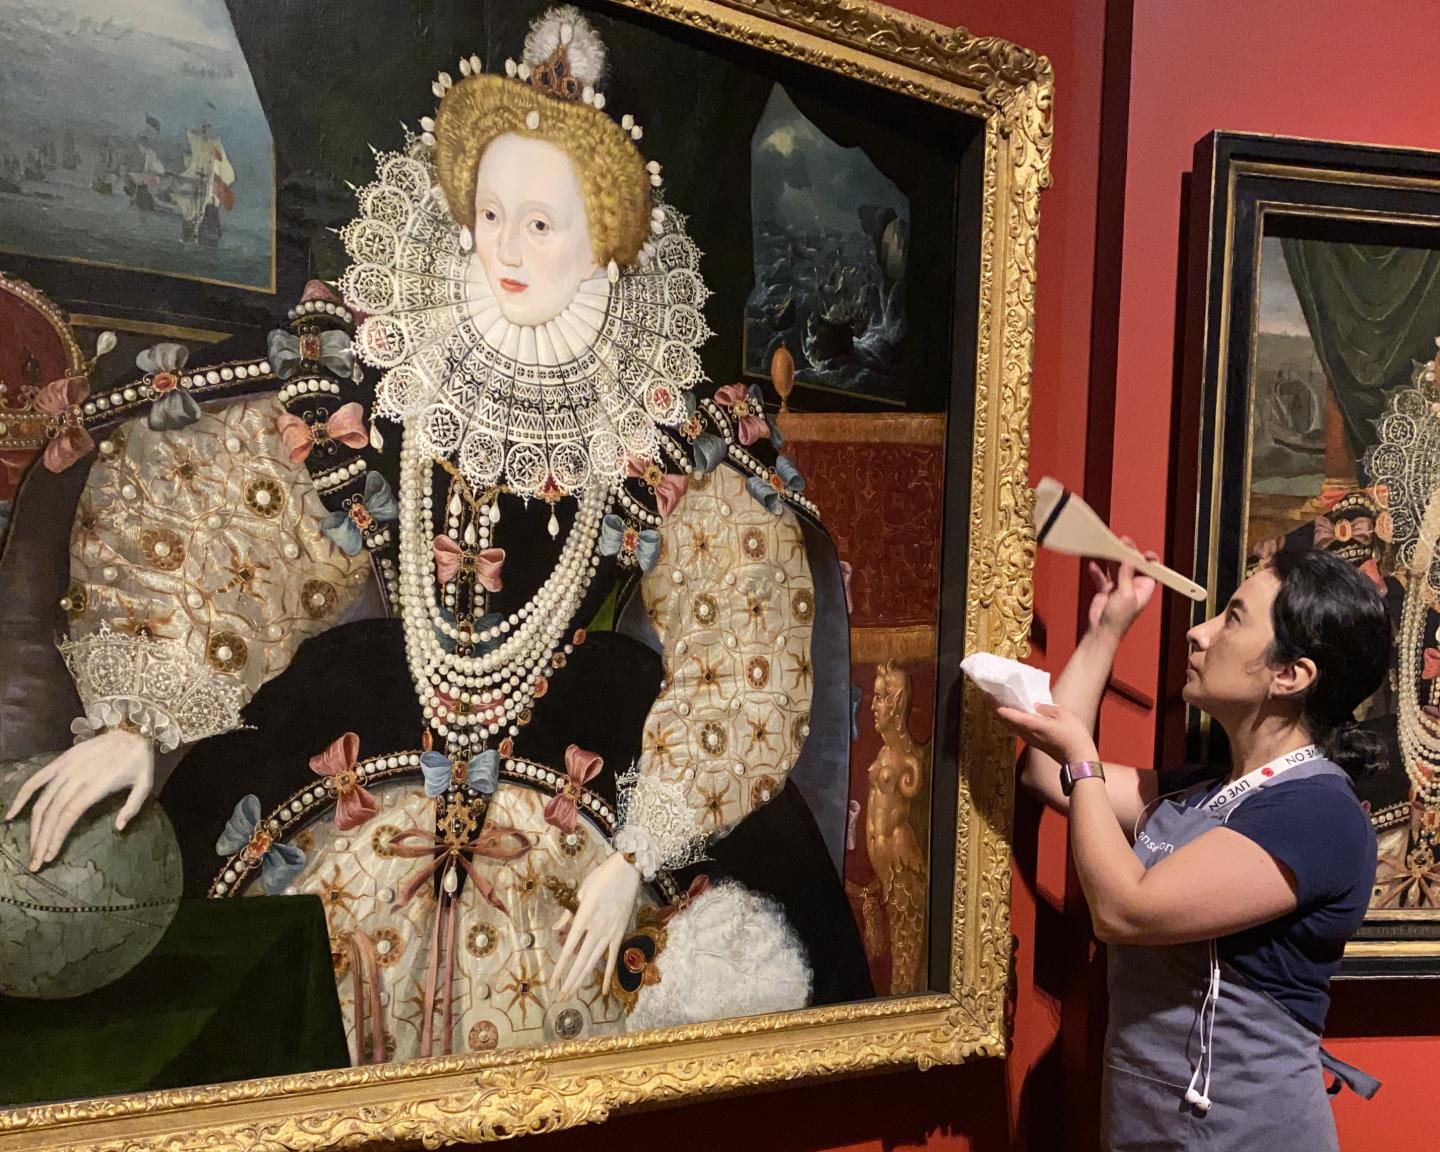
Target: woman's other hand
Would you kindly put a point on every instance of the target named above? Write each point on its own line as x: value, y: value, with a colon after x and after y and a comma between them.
x: 1055, y: 731
x: 605, y: 901
x: 77, y: 780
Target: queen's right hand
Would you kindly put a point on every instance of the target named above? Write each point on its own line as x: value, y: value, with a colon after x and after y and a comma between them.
x: 80, y: 778
x: 1121, y: 595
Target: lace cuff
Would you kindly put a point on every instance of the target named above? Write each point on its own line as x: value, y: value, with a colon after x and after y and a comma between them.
x: 134, y: 715
x: 123, y: 678
x: 658, y: 827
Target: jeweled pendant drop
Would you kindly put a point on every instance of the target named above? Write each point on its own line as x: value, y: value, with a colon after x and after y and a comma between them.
x: 451, y: 882
x: 554, y: 526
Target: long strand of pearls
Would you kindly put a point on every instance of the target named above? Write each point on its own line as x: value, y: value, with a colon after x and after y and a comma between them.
x: 469, y: 698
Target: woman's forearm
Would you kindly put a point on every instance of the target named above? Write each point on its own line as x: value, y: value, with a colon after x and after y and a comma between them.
x: 1109, y: 872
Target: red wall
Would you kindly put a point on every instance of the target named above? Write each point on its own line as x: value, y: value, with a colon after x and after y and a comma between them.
x: 1318, y: 68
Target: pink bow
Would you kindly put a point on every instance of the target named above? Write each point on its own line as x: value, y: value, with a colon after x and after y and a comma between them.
x: 346, y: 424
x: 751, y: 423
x: 1360, y: 528
x: 580, y: 767
x: 61, y: 399
x: 450, y: 558
x: 668, y: 487
x: 1432, y: 664
x: 353, y: 804
x: 1372, y: 570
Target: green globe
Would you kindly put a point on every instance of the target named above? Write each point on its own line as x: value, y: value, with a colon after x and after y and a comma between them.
x: 96, y: 910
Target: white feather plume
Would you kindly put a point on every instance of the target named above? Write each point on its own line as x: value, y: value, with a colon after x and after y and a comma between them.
x: 586, y: 51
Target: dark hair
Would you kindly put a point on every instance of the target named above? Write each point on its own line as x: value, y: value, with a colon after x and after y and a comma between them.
x: 1330, y: 612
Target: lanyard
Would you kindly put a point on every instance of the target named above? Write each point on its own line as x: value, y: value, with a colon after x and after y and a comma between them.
x: 1238, y: 790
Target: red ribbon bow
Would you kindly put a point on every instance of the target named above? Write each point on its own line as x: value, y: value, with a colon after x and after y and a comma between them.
x: 450, y: 558
x: 668, y: 488
x: 749, y: 422
x: 1359, y: 528
x: 353, y: 802
x: 580, y: 768
x: 346, y: 424
x: 1432, y: 664
x: 61, y: 400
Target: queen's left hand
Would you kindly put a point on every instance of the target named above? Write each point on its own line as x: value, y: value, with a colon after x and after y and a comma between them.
x: 1055, y: 731
x: 605, y: 901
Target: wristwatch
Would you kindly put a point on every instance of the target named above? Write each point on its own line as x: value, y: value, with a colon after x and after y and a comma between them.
x: 1069, y: 773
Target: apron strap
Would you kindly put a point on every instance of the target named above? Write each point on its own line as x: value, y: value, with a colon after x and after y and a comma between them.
x: 1348, y: 1076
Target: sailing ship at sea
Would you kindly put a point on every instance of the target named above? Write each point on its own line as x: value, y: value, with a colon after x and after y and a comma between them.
x: 209, y: 180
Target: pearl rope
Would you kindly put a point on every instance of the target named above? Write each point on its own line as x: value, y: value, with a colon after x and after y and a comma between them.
x: 493, y: 690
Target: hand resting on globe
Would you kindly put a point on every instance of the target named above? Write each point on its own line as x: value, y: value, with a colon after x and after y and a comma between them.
x: 80, y: 778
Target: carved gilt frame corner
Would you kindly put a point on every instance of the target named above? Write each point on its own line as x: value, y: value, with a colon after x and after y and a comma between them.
x: 519, y: 1092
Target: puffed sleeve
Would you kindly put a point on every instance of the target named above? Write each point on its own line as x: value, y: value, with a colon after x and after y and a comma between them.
x: 731, y: 601
x: 198, y: 566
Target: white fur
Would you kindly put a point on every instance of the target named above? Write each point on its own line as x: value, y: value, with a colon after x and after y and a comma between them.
x: 730, y: 953
x: 586, y: 50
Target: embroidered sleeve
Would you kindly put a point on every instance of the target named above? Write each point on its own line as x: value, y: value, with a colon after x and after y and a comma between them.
x: 732, y: 601
x: 198, y: 566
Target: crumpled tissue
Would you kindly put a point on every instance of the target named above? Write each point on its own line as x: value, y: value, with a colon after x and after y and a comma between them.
x: 1010, y: 683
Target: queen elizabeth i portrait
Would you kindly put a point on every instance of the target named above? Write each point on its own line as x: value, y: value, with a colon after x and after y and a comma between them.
x: 346, y: 594
x: 432, y: 704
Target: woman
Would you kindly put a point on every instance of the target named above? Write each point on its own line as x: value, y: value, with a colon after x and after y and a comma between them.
x: 1226, y: 901
x: 487, y: 783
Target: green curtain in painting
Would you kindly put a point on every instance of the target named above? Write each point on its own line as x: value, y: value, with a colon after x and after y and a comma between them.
x: 1372, y: 312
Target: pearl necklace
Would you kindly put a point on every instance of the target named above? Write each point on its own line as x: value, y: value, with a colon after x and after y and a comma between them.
x: 468, y: 698
x: 1419, y: 744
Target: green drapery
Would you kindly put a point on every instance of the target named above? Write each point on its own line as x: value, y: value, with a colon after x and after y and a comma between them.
x: 235, y: 989
x: 1371, y: 312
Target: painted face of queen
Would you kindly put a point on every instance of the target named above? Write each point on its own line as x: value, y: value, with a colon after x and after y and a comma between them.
x: 532, y: 238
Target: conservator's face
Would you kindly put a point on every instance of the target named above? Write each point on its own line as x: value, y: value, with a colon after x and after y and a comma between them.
x: 531, y: 235
x: 1228, y: 674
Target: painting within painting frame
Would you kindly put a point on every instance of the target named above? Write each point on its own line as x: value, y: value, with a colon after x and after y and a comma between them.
x: 1294, y: 441
x: 1000, y: 93
x: 148, y: 150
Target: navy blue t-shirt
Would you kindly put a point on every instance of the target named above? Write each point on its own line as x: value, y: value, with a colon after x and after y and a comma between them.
x: 1317, y: 829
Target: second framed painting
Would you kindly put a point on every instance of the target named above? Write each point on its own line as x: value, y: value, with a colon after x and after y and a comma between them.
x: 1312, y: 340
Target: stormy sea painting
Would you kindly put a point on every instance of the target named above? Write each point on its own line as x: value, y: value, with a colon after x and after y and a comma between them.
x: 131, y: 135
x: 831, y: 238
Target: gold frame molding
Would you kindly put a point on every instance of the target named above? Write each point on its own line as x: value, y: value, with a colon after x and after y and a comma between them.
x: 520, y: 1092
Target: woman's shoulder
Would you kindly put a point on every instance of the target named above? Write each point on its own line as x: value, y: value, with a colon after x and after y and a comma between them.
x: 1317, y: 827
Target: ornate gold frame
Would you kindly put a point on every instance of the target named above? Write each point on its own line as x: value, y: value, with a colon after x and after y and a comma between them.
x: 519, y: 1092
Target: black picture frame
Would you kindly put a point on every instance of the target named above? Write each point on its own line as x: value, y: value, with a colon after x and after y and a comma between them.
x: 1244, y: 189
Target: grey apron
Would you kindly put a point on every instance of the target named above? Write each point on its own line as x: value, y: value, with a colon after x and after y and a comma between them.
x: 1266, y: 1085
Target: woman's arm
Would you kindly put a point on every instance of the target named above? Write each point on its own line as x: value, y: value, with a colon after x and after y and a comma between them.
x: 1220, y: 883
x: 1117, y: 603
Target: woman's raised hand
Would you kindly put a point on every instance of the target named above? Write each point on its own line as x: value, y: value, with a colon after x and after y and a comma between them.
x: 1121, y: 594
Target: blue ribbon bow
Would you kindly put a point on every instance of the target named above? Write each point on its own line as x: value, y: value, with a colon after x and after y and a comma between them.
x: 378, y: 500
x: 612, y: 540
x: 767, y: 493
x: 279, y: 866
x: 337, y: 356
x: 483, y: 773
